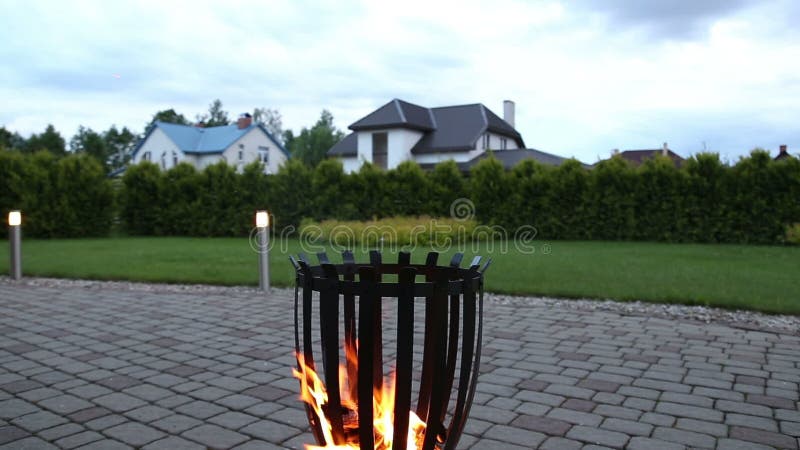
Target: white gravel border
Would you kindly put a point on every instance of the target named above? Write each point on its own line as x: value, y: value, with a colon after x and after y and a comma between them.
x: 784, y: 324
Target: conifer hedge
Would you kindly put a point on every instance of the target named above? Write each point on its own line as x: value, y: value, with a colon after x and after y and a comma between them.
x: 58, y: 197
x: 756, y: 200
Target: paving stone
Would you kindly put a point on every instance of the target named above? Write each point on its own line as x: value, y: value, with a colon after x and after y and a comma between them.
x: 104, y: 422
x: 38, y: 421
x: 515, y: 435
x: 106, y: 444
x: 15, y: 408
x: 200, y: 409
x: 763, y: 437
x: 174, y: 443
x: 491, y: 444
x: 67, y: 429
x: 629, y: 427
x: 689, y: 438
x: 678, y: 410
x: 553, y: 427
x: 148, y: 392
x: 10, y: 433
x: 701, y: 426
x: 736, y: 444
x: 644, y: 443
x: 65, y: 404
x: 598, y: 436
x: 22, y: 385
x: 258, y: 445
x: 558, y: 443
x: 234, y: 420
x: 743, y: 408
x: 148, y: 413
x: 762, y: 423
x: 29, y: 443
x: 176, y: 423
x: 269, y: 430
x: 79, y: 439
x: 88, y: 414
x: 118, y: 402
x: 575, y: 417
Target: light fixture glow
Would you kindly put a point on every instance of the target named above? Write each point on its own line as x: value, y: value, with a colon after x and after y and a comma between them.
x: 14, y: 218
x: 262, y: 219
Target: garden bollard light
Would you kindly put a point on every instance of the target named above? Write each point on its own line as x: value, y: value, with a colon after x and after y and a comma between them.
x: 262, y: 223
x: 15, y: 243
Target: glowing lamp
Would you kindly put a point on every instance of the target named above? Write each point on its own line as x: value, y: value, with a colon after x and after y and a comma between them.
x: 262, y: 219
x: 14, y: 218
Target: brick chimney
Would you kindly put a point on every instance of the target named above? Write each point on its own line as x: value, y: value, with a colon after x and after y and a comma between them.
x: 783, y: 150
x: 509, y: 112
x: 665, y: 149
x: 245, y: 120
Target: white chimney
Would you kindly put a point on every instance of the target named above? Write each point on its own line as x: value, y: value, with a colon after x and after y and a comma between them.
x: 508, y: 112
x: 665, y: 150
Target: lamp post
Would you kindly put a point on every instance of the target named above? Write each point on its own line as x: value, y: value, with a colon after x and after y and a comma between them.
x: 15, y: 243
x: 262, y: 224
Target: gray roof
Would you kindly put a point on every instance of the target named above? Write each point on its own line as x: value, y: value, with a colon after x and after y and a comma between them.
x: 446, y: 129
x: 346, y: 147
x: 397, y: 113
x: 510, y: 158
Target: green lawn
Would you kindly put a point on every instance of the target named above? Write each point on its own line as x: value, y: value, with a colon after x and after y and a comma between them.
x: 730, y: 276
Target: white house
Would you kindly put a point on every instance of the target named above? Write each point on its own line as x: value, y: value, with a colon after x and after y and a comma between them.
x: 168, y: 144
x: 400, y: 131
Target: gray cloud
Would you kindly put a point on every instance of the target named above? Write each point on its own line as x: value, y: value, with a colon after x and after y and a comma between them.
x: 666, y: 19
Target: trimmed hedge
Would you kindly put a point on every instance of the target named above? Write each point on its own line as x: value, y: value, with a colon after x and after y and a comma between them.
x: 59, y: 197
x: 757, y: 200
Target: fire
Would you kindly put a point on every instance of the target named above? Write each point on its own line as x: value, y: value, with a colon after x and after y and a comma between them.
x: 313, y: 392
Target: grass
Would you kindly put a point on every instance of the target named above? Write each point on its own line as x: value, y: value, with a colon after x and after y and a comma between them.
x: 730, y: 276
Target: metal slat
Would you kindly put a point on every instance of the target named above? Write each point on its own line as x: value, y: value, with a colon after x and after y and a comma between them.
x: 405, y: 357
x: 308, y: 349
x: 366, y: 303
x: 329, y: 331
x: 428, y: 364
x: 436, y: 405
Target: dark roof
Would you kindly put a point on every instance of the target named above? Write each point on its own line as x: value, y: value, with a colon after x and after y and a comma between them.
x: 510, y: 158
x: 396, y: 113
x: 346, y: 147
x: 446, y: 129
x: 783, y: 155
x: 637, y: 157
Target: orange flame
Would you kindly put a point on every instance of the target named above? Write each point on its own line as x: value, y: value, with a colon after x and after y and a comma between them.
x: 313, y: 392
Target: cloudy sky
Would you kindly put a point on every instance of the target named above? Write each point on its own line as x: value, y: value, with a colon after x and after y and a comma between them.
x: 587, y: 76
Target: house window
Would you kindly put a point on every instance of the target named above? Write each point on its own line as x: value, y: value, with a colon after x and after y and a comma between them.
x: 380, y: 145
x: 164, y: 160
x: 486, y: 141
x: 174, y: 159
x: 241, y: 155
x: 146, y: 156
x: 503, y: 143
x: 263, y: 155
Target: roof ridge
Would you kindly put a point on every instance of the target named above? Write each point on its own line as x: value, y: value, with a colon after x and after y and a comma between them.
x: 399, y: 110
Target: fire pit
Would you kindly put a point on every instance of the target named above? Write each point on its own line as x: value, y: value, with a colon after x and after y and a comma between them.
x: 354, y: 404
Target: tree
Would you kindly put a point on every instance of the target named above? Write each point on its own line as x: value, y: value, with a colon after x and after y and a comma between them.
x: 120, y: 144
x: 311, y: 144
x: 91, y: 143
x: 49, y: 140
x: 10, y: 141
x: 271, y: 120
x: 216, y: 116
x: 168, y: 116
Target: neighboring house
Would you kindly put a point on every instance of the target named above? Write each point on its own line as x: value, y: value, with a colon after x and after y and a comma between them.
x: 400, y: 131
x: 168, y: 145
x: 510, y: 158
x: 783, y: 153
x: 637, y: 157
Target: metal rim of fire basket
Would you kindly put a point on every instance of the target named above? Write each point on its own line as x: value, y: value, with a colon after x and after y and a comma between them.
x: 463, y: 315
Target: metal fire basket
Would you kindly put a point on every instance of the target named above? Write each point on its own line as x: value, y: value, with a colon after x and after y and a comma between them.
x: 451, y: 342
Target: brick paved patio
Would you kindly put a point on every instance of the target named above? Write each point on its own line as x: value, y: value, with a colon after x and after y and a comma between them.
x: 105, y: 369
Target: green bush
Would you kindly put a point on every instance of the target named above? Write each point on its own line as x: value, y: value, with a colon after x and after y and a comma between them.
x: 66, y: 197
x: 400, y: 231
x: 793, y: 234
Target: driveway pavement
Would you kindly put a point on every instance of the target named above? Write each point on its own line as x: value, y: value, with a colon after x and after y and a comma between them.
x: 108, y: 368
